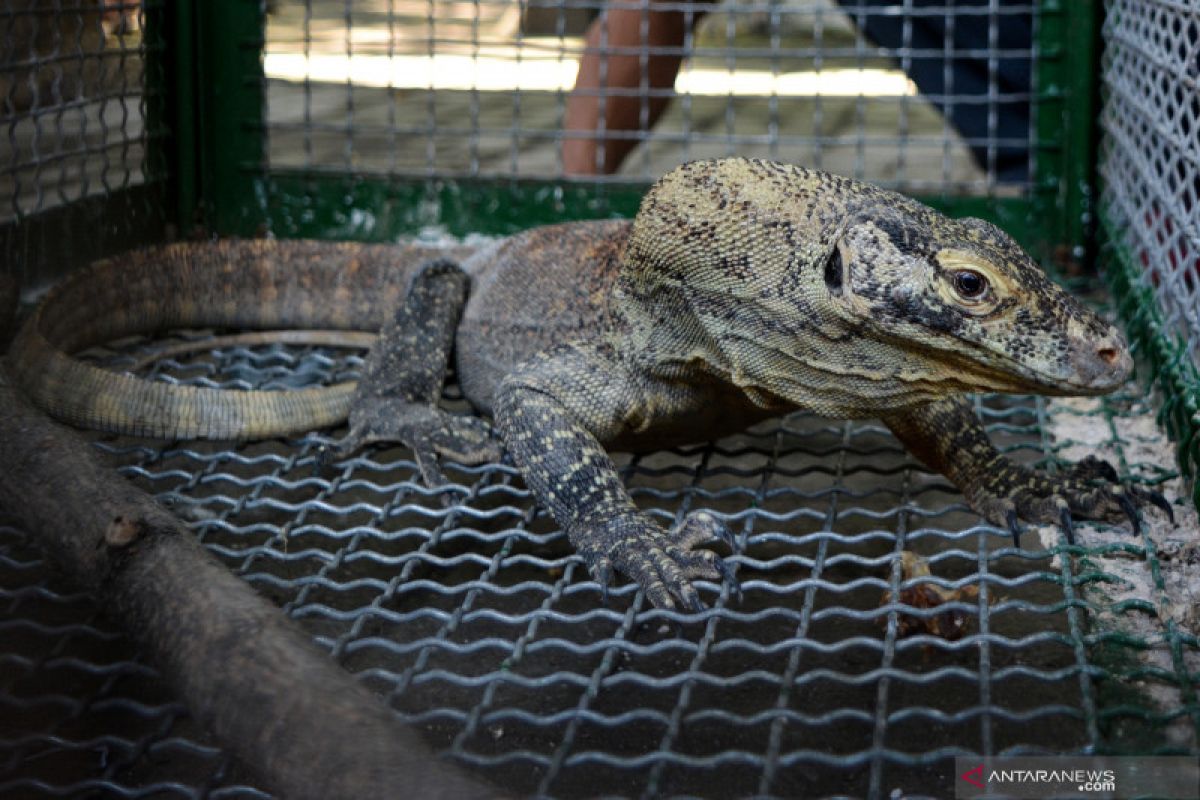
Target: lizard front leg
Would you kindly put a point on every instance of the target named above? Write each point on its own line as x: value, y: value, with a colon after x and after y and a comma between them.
x: 948, y: 437
x: 396, y: 399
x: 553, y: 413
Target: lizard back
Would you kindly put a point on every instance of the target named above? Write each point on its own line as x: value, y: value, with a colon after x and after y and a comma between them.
x: 532, y: 291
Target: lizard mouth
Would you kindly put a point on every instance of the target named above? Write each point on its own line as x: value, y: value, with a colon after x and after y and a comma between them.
x: 1096, y: 368
x: 1093, y: 366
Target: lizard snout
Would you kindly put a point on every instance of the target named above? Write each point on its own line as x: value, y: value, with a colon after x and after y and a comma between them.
x: 1101, y: 365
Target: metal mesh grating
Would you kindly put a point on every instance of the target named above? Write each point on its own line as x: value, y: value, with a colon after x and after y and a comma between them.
x: 80, y: 714
x: 82, y: 129
x: 920, y: 94
x: 477, y: 623
x: 73, y: 101
x: 1151, y: 154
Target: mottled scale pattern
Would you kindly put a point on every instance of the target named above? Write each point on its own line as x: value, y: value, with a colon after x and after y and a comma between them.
x: 231, y: 284
x: 948, y: 436
x: 755, y: 288
x: 553, y: 413
x: 742, y: 289
x: 396, y: 399
x: 726, y: 276
x: 532, y: 291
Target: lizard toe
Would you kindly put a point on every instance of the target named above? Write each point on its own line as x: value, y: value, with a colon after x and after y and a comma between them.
x: 1013, y: 522
x: 1130, y: 511
x: 729, y: 577
x: 343, y: 448
x: 428, y: 431
x: 1085, y: 491
x: 665, y: 579
x: 1042, y: 509
x: 695, y: 563
x: 1066, y: 523
x: 699, y: 527
x: 663, y: 563
x: 469, y: 440
x: 429, y: 467
x: 602, y: 573
x: 1093, y: 468
x: 1001, y: 512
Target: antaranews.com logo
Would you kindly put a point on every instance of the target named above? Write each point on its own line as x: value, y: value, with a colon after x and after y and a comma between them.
x: 1093, y: 777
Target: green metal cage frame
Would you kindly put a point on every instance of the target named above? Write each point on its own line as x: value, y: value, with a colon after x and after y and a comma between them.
x: 219, y: 109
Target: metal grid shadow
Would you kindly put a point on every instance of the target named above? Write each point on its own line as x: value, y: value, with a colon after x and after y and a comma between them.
x: 476, y: 622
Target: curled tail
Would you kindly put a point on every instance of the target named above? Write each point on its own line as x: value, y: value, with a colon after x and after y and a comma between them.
x: 249, y: 284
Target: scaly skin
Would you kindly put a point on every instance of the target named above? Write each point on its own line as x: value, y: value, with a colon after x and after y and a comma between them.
x: 743, y: 289
x: 256, y: 284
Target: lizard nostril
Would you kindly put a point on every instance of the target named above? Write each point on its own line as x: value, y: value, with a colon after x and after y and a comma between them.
x: 1109, y: 355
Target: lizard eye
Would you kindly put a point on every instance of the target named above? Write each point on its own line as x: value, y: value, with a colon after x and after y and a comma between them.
x: 969, y: 284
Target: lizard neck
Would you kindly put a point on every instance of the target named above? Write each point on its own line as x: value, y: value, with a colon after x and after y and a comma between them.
x: 722, y: 279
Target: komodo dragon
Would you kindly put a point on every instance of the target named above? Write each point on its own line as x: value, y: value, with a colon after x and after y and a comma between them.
x: 743, y: 289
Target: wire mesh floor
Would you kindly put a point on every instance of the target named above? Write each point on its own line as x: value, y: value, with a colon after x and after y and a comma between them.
x: 476, y: 622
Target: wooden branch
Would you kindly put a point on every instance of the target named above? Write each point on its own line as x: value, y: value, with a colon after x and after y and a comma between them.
x: 245, y: 671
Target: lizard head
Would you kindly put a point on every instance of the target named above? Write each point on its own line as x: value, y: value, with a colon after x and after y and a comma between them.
x: 808, y: 289
x: 968, y: 294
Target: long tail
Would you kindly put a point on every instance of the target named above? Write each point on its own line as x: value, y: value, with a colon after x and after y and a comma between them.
x: 251, y: 284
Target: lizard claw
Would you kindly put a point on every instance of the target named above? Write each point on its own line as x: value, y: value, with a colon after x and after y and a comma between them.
x: 1084, y: 491
x: 1130, y: 511
x: 323, y: 457
x: 728, y: 576
x: 1156, y: 499
x: 1014, y: 526
x: 602, y: 573
x: 1064, y: 521
x: 428, y: 431
x: 661, y: 562
x: 703, y: 526
x: 427, y: 464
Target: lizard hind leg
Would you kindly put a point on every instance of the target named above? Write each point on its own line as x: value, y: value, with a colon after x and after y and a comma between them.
x: 396, y: 399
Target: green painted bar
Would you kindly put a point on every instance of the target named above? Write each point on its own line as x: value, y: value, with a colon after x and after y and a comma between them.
x: 330, y: 206
x: 170, y: 85
x: 1066, y: 93
x: 1048, y: 112
x: 1163, y: 352
x: 230, y: 85
x: 1082, y: 129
